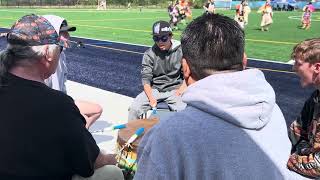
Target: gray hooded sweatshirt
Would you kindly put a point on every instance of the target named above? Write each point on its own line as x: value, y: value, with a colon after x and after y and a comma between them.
x: 162, y: 69
x: 232, y: 128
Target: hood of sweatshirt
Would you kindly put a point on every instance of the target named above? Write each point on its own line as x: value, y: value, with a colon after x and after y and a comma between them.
x: 243, y: 98
x: 175, y: 45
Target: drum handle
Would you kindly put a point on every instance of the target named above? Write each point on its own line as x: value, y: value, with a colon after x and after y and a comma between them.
x: 136, y: 135
x: 121, y: 126
x: 132, y: 139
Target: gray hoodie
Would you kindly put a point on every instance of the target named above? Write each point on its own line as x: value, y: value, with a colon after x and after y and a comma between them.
x: 231, y: 129
x: 162, y: 69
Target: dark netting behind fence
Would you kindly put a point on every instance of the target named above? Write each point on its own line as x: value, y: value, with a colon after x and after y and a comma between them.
x: 48, y: 2
x: 79, y: 2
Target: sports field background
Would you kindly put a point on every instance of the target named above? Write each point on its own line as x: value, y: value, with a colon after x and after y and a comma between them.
x: 134, y: 26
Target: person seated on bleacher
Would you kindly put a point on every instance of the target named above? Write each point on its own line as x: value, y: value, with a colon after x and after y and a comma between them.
x: 305, y: 130
x: 90, y: 111
x: 42, y: 132
x: 232, y: 127
x: 161, y: 73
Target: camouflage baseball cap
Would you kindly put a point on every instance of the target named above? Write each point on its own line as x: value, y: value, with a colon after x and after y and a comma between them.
x: 32, y: 30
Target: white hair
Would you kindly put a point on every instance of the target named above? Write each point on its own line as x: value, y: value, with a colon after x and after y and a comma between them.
x: 17, y: 55
x: 32, y: 52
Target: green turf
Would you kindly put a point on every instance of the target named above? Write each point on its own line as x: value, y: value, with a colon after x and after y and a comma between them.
x: 133, y: 26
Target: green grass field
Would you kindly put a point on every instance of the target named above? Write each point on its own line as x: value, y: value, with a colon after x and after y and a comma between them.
x: 133, y: 26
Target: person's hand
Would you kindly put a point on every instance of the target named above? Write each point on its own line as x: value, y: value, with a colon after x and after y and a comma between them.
x: 110, y: 159
x: 178, y: 92
x: 105, y: 159
x: 153, y: 102
x: 181, y: 89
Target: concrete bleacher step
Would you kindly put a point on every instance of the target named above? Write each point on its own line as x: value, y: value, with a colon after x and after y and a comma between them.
x: 115, y: 111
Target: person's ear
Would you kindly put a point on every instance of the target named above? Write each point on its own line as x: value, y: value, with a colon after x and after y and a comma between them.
x: 244, y: 61
x: 44, y: 59
x: 317, y: 67
x: 47, y: 53
x: 185, y: 68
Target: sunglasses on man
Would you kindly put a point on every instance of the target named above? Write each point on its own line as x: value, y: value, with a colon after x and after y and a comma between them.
x: 161, y: 38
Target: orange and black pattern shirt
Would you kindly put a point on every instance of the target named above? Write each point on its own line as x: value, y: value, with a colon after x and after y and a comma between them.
x: 304, y: 134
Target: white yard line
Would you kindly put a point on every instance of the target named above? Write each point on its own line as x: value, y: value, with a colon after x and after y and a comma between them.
x: 142, y: 45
